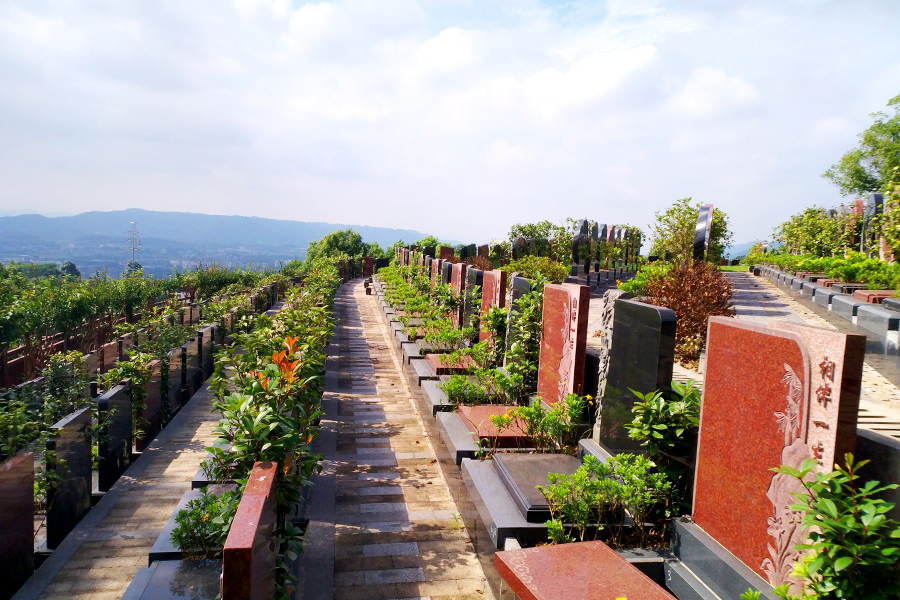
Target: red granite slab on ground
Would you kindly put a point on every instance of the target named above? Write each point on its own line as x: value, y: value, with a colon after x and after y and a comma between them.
x: 563, y: 341
x: 440, y: 368
x: 248, y: 560
x: 581, y: 571
x: 478, y: 420
x: 873, y: 296
x: 772, y: 396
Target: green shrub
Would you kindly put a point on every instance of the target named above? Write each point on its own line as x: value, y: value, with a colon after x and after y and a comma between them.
x: 203, y: 525
x: 537, y: 267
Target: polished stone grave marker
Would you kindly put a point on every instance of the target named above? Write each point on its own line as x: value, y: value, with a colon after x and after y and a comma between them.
x: 446, y: 272
x: 114, y: 448
x: 580, y: 571
x: 493, y: 293
x: 702, y: 231
x: 474, y: 279
x: 518, y: 287
x: 445, y: 252
x: 16, y: 522
x: 70, y: 499
x: 563, y: 341
x: 458, y: 278
x: 248, y: 559
x: 522, y: 473
x: 368, y: 266
x: 436, y: 271
x: 773, y: 395
x: 641, y: 358
x: 478, y: 421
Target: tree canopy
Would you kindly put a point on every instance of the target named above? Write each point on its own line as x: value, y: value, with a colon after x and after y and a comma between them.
x: 871, y: 166
x: 341, y: 242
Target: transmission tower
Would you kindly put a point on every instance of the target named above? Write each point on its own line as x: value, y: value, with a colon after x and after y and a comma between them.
x: 134, y: 241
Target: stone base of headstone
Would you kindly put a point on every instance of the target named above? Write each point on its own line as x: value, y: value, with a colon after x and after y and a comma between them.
x: 522, y: 473
x: 419, y: 371
x: 436, y: 397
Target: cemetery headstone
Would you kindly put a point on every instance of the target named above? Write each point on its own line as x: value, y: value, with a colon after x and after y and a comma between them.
x: 114, y: 448
x: 641, y: 358
x: 436, y: 271
x: 518, y: 248
x: 484, y: 251
x: 446, y: 270
x: 493, y: 293
x: 790, y: 393
x: 471, y: 251
x: 445, y: 252
x: 16, y: 522
x: 518, y: 287
x: 458, y: 278
x: 474, y: 279
x: 429, y: 251
x: 563, y: 341
x: 368, y: 266
x: 70, y: 499
x: 702, y: 231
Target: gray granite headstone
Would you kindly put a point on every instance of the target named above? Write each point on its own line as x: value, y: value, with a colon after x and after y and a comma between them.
x: 69, y: 500
x: 641, y: 359
x: 446, y: 269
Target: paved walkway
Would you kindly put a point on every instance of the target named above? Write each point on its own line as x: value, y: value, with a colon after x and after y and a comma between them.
x: 383, y: 523
x: 98, y: 560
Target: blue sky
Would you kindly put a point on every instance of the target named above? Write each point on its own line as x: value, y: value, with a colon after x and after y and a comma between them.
x: 453, y: 117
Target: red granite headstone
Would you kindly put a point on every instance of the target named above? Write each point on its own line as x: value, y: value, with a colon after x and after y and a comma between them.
x: 368, y: 266
x: 580, y: 571
x: 563, y: 341
x: 484, y: 251
x: 248, y: 560
x: 458, y: 278
x: 493, y: 293
x: 446, y: 253
x: 772, y: 395
x: 436, y: 271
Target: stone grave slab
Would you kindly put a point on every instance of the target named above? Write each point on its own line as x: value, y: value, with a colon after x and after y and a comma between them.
x: 493, y: 293
x: 788, y: 392
x: 16, y: 522
x: 440, y: 368
x: 496, y: 509
x: 477, y: 420
x: 420, y: 371
x: 436, y: 397
x: 641, y: 358
x: 563, y: 341
x: 518, y: 287
x: 176, y: 580
x: 582, y: 571
x: 873, y: 296
x: 522, y: 473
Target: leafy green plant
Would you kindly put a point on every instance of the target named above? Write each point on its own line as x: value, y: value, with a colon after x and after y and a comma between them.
x: 669, y: 429
x: 524, y: 339
x: 203, y: 525
x: 593, y: 502
x: 854, y: 547
x: 539, y: 267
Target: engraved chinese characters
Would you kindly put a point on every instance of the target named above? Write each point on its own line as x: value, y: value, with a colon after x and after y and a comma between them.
x: 773, y: 395
x: 563, y: 341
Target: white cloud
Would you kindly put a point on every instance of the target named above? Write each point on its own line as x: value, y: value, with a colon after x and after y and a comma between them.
x: 710, y: 92
x: 358, y: 111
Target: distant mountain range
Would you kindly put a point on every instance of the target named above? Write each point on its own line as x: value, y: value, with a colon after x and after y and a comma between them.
x: 97, y: 240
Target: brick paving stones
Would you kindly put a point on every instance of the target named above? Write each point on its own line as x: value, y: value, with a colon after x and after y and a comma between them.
x: 395, y: 525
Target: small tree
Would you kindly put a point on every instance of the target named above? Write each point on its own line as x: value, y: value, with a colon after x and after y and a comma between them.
x: 69, y: 269
x: 343, y: 241
x: 810, y: 232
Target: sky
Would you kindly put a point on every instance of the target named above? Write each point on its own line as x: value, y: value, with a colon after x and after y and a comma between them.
x: 452, y: 117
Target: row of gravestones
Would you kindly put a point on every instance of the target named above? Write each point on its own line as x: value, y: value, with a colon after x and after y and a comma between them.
x: 773, y: 395
x: 70, y: 450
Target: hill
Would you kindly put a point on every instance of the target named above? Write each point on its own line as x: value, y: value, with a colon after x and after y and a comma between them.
x: 96, y: 240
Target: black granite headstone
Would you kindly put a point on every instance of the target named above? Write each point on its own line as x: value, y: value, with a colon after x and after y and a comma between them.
x: 641, y: 358
x: 70, y: 499
x: 702, y: 231
x: 16, y: 522
x: 471, y: 302
x: 522, y: 473
x: 114, y: 448
x: 446, y: 269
